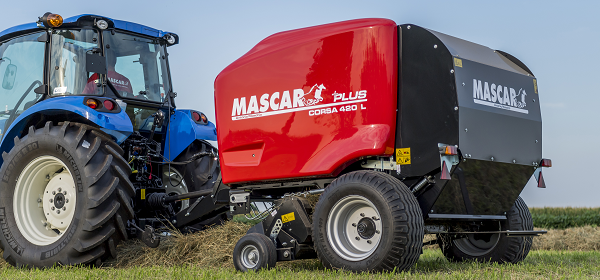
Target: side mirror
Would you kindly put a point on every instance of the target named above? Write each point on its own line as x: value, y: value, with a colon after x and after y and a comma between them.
x: 9, y: 77
x: 95, y: 63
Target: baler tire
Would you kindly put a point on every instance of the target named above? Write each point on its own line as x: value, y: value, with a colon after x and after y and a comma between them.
x: 400, y: 228
x: 258, y: 244
x: 100, y: 179
x: 505, y: 250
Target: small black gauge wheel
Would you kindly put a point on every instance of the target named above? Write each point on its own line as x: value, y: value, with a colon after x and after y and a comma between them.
x: 254, y: 251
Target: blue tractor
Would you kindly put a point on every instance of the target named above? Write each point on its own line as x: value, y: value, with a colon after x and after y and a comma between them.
x: 93, y: 148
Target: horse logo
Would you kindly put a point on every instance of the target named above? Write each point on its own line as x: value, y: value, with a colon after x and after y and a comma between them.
x: 317, y: 95
x: 521, y: 104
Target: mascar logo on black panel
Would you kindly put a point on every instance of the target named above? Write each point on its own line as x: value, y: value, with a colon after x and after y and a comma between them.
x: 499, y: 96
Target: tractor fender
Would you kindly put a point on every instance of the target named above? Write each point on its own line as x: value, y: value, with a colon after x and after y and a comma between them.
x: 118, y: 125
x: 182, y: 130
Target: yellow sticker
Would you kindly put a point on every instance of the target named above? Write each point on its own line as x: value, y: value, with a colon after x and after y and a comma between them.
x: 287, y: 217
x: 403, y: 156
x: 143, y: 192
x: 535, y: 86
x: 457, y: 62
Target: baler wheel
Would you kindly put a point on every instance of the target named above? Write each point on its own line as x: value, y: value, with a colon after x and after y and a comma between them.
x: 66, y: 195
x: 368, y: 221
x: 493, y: 247
x: 254, y: 251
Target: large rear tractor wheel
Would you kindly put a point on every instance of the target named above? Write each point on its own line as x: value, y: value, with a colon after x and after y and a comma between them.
x: 368, y: 221
x: 65, y: 197
x: 493, y: 247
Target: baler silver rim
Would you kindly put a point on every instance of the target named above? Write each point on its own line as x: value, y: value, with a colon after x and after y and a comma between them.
x: 247, y: 256
x: 342, y: 233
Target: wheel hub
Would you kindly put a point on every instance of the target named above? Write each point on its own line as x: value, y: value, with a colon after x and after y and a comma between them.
x: 59, y: 200
x: 366, y: 228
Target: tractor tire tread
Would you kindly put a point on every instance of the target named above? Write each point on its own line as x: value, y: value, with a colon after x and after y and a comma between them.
x: 107, y: 193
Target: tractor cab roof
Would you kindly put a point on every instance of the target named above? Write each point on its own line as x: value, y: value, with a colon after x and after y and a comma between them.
x: 89, y: 20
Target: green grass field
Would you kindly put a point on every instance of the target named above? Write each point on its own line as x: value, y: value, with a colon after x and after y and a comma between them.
x: 561, y: 218
x: 432, y: 265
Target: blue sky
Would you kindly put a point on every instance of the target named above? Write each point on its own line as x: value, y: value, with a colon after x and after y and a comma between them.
x: 558, y: 41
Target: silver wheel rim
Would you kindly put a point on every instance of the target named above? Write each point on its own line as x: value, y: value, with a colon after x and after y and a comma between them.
x: 44, y: 184
x: 354, y: 228
x: 250, y: 256
x: 175, y: 185
x: 476, y: 247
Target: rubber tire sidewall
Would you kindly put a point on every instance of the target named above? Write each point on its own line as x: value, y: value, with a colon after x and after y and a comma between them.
x: 350, y: 184
x: 28, y: 149
x: 266, y: 249
x: 508, y: 249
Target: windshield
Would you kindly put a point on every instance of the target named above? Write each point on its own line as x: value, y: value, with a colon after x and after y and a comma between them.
x: 137, y: 66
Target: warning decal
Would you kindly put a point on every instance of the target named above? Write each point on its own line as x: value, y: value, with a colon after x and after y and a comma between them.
x: 457, y: 62
x: 535, y: 86
x: 287, y: 217
x: 403, y: 156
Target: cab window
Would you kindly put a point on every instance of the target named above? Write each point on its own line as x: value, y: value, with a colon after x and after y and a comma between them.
x: 21, y: 71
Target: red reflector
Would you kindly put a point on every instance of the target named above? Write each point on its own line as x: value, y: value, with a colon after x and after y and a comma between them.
x: 541, y: 183
x: 109, y: 105
x: 92, y: 103
x: 546, y: 162
x: 445, y: 172
x: 196, y: 116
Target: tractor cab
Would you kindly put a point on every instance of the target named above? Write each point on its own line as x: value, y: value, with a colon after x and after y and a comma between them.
x: 89, y: 56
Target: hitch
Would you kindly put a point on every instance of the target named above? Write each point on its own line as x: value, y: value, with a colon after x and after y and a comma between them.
x: 289, y: 228
x: 148, y: 236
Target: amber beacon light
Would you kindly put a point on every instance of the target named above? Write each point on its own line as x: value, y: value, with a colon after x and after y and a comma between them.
x: 51, y: 20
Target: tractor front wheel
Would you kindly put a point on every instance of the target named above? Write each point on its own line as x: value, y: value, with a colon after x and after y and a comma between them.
x: 65, y: 197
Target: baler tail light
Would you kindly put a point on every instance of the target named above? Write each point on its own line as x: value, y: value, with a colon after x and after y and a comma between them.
x: 451, y: 151
x: 448, y: 150
x: 546, y: 162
